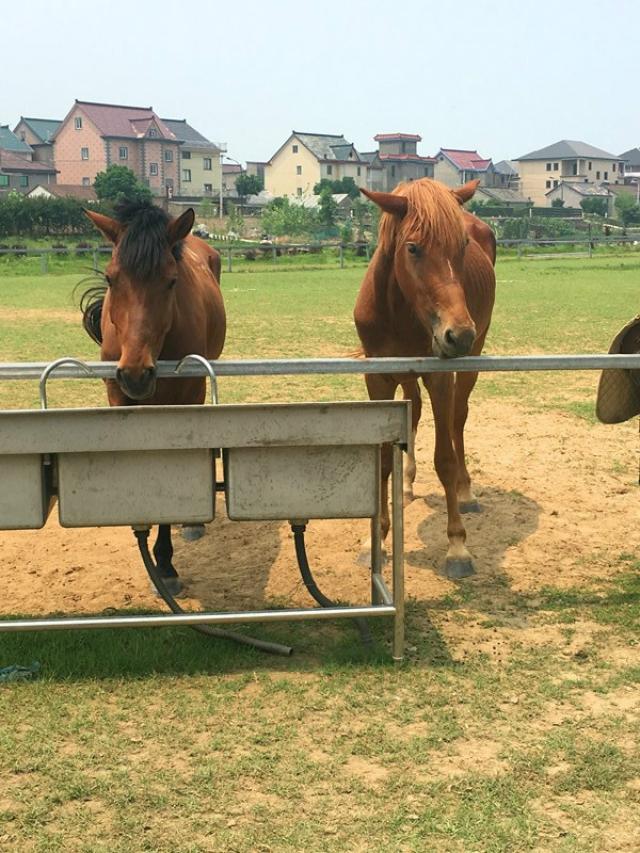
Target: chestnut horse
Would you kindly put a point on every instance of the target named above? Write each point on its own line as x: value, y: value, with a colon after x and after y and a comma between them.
x: 429, y: 290
x: 162, y: 300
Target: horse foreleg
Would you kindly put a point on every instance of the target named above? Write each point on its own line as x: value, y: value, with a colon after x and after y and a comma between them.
x: 464, y: 384
x: 163, y: 553
x: 411, y: 391
x: 441, y: 392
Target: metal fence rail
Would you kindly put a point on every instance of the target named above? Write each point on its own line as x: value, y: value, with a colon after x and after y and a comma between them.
x: 315, y: 366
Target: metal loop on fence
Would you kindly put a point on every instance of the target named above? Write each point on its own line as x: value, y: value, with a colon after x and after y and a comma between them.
x: 51, y: 368
x: 212, y: 376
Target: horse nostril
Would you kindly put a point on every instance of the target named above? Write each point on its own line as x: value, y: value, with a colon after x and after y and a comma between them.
x: 450, y: 338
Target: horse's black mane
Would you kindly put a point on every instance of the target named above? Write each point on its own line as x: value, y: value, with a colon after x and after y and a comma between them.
x: 144, y: 243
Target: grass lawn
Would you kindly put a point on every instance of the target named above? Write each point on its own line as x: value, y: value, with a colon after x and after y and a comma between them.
x: 165, y: 741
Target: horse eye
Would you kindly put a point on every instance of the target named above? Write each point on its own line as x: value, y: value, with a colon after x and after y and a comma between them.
x: 412, y: 248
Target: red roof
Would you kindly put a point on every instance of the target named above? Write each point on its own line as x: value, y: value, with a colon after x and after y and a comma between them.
x: 10, y: 162
x: 465, y: 159
x: 412, y: 157
x: 386, y: 137
x: 125, y: 122
x: 69, y: 191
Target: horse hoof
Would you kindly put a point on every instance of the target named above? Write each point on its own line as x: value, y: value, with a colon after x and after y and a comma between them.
x: 458, y: 567
x: 174, y: 586
x: 470, y: 506
x: 192, y: 532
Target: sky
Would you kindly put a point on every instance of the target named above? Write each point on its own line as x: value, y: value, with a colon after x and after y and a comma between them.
x: 504, y: 78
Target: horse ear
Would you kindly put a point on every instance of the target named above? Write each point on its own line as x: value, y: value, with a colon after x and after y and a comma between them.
x: 390, y: 203
x: 180, y: 227
x: 466, y: 191
x: 111, y: 228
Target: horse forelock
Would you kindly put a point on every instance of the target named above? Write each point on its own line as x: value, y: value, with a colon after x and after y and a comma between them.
x: 142, y: 249
x: 433, y: 218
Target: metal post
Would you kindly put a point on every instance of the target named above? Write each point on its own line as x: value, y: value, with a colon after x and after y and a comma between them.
x: 376, y: 543
x: 274, y: 253
x: 95, y: 260
x: 229, y: 260
x: 341, y: 256
x: 44, y: 263
x: 590, y: 243
x: 398, y: 554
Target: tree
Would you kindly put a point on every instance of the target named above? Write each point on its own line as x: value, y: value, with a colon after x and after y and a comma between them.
x: 248, y: 185
x: 281, y: 218
x: 118, y: 183
x: 328, y: 213
x: 596, y: 204
x: 559, y: 202
x: 627, y: 208
x: 344, y: 185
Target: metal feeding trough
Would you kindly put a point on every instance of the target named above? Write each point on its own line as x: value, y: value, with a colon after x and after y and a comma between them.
x: 26, y: 494
x: 144, y: 465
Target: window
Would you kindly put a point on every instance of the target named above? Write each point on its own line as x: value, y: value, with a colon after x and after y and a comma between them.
x: 4, y: 180
x: 84, y: 153
x: 575, y: 169
x: 299, y: 191
x: 208, y: 188
x: 613, y: 167
x: 78, y: 122
x: 548, y: 185
x: 597, y: 176
x: 606, y: 176
x: 555, y: 183
x: 589, y: 165
x: 153, y: 131
x: 23, y: 136
x: 403, y: 147
x: 294, y: 149
x: 153, y: 168
x: 186, y: 155
x: 186, y: 175
x: 298, y: 170
x: 24, y: 180
x: 555, y: 167
x: 548, y: 167
x: 168, y: 156
x: 358, y: 171
x: 86, y: 182
x: 169, y: 182
x: 426, y: 171
x: 329, y: 170
x: 393, y: 171
x: 206, y: 164
x: 123, y: 152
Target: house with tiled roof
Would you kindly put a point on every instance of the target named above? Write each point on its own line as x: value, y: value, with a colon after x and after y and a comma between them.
x: 567, y: 161
x: 200, y: 173
x: 18, y: 172
x: 38, y: 134
x: 93, y: 136
x: 573, y: 193
x: 63, y: 191
x: 506, y: 174
x: 398, y: 160
x: 455, y: 166
x: 306, y: 158
x: 631, y: 161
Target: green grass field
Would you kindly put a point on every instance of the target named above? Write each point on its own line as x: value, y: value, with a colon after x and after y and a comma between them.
x: 165, y: 741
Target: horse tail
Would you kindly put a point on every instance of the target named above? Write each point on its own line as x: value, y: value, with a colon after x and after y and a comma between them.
x: 91, y: 303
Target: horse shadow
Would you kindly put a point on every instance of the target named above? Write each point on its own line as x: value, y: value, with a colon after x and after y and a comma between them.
x: 506, y: 519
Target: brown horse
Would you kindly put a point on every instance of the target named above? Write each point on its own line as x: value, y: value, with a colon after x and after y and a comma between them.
x: 429, y: 290
x: 162, y: 300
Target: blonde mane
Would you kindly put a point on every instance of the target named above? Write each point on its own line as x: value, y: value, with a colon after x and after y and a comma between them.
x: 433, y: 218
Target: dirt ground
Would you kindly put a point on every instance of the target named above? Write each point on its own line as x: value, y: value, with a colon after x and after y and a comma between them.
x: 560, y: 505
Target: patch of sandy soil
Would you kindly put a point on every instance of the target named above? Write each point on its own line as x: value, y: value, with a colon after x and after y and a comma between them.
x: 560, y: 505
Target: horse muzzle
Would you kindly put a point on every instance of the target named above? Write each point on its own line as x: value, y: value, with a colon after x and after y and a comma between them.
x: 454, y: 342
x: 139, y: 385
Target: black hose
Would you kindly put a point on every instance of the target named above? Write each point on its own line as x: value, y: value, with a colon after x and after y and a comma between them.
x: 156, y: 579
x: 312, y: 586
